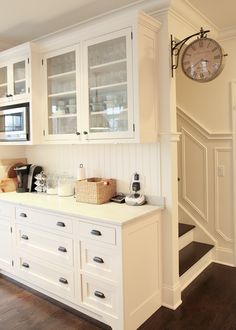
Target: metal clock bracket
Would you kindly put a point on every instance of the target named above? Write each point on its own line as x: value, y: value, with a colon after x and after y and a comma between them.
x: 177, y: 46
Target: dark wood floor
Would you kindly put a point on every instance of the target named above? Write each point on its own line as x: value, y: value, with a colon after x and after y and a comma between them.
x: 209, y: 303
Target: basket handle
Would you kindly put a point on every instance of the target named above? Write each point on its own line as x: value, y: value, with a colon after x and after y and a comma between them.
x: 106, y: 183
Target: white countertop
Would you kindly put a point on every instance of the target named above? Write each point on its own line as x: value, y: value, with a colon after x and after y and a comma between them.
x: 114, y: 213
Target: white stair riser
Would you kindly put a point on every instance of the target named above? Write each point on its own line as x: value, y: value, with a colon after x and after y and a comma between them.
x: 195, y: 270
x: 185, y: 239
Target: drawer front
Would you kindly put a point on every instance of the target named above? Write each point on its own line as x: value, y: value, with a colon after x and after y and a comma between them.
x: 44, y: 220
x: 99, y: 295
x: 99, y: 261
x: 58, y: 282
x: 98, y: 233
x: 49, y: 247
x: 6, y: 210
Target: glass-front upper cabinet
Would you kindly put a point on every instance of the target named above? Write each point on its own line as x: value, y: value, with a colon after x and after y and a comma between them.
x: 109, y: 86
x: 19, y: 77
x: 13, y: 81
x: 3, y: 82
x: 61, y: 93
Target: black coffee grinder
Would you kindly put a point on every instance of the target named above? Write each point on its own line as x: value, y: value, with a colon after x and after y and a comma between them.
x: 26, y: 177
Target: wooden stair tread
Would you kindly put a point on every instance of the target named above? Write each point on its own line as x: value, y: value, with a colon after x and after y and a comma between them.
x: 190, y: 254
x: 184, y: 228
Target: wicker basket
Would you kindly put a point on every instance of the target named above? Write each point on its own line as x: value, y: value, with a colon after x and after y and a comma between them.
x: 95, y: 190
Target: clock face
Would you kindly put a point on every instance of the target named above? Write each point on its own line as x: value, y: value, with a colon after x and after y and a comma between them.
x: 203, y: 60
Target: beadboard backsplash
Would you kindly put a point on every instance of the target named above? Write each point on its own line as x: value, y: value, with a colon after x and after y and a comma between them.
x: 116, y: 161
x: 12, y: 152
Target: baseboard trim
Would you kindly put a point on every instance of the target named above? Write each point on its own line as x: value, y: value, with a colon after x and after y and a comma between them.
x: 225, y: 256
x: 171, y: 296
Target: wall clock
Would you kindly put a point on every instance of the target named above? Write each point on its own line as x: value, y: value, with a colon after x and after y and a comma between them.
x: 203, y: 60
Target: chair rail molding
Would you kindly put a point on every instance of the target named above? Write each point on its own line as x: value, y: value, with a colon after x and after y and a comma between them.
x: 201, y: 129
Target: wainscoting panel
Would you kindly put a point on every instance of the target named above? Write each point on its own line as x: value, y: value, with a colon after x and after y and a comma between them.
x: 205, y: 164
x: 224, y: 193
x: 194, y: 174
x: 117, y: 161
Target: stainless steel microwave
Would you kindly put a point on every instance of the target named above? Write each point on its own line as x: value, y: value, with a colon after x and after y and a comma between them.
x: 14, y: 122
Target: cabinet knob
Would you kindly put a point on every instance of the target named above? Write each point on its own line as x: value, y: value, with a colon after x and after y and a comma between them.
x: 10, y: 95
x: 25, y: 264
x: 23, y: 215
x: 25, y: 237
x: 62, y: 249
x: 60, y: 224
x: 85, y: 132
x: 96, y: 232
x: 77, y: 133
x: 99, y: 294
x: 63, y: 280
x: 98, y: 260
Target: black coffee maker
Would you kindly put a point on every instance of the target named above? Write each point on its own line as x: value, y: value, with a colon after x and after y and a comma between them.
x: 26, y: 177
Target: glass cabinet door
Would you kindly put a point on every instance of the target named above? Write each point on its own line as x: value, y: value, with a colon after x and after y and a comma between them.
x: 108, y: 86
x: 3, y: 82
x: 61, y: 89
x: 19, y: 77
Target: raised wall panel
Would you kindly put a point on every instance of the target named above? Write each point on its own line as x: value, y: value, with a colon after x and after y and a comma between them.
x: 223, y: 193
x: 194, y: 174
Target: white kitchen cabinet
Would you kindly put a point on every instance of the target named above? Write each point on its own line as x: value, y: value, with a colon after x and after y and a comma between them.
x: 108, y: 97
x: 14, y: 81
x: 44, y: 249
x: 105, y: 87
x: 20, y: 82
x: 61, y: 70
x: 120, y: 270
x: 6, y: 236
x: 107, y: 267
x: 5, y: 244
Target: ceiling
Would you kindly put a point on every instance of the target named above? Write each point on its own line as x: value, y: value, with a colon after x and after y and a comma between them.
x: 25, y: 20
x: 220, y: 12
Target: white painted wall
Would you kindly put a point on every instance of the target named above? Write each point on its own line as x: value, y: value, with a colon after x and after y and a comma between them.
x: 210, y: 103
x: 117, y: 161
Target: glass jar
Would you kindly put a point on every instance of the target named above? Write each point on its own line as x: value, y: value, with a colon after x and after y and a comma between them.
x: 52, y: 184
x: 66, y: 186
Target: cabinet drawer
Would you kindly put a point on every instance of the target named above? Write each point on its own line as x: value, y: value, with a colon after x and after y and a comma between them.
x: 98, y: 233
x: 99, y: 295
x: 99, y: 261
x: 6, y: 210
x: 44, y: 220
x: 49, y: 247
x: 51, y: 279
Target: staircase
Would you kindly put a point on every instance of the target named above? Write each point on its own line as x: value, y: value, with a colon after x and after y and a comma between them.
x: 194, y: 257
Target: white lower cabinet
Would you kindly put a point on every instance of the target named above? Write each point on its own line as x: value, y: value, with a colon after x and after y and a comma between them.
x: 100, y: 295
x: 6, y: 233
x: 106, y: 270
x: 5, y: 244
x: 46, y: 246
x: 59, y: 281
